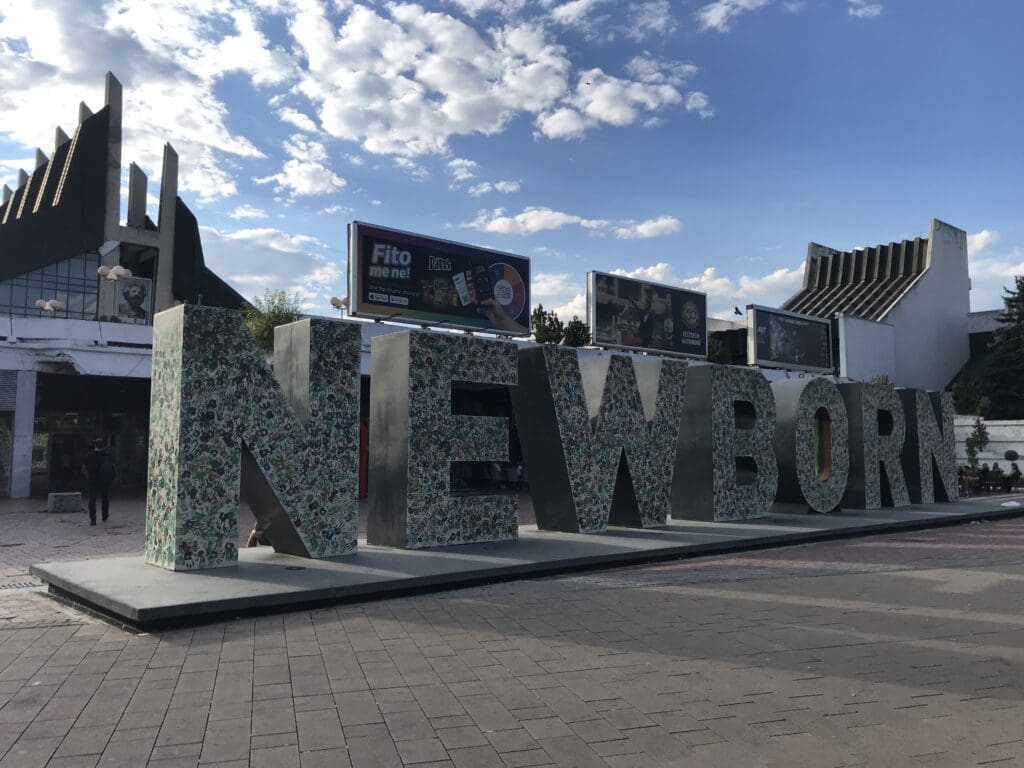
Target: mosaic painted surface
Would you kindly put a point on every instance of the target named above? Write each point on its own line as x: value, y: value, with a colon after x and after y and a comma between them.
x: 933, y: 442
x: 212, y: 391
x: 880, y: 449
x: 822, y: 495
x: 437, y: 437
x: 733, y: 501
x: 592, y: 447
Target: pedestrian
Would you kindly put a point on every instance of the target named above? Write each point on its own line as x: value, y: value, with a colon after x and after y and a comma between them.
x: 99, y: 471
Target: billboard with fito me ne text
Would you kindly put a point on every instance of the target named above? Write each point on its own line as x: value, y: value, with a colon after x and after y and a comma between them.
x: 636, y: 314
x: 780, y: 339
x: 413, y: 278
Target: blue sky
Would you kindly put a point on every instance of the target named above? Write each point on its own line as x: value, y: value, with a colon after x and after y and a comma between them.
x: 698, y: 143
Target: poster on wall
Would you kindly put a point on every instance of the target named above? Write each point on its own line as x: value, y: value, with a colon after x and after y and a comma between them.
x: 413, y: 278
x: 635, y: 314
x: 780, y: 339
x: 134, y: 299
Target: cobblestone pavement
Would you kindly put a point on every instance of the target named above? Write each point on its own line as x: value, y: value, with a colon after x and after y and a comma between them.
x: 901, y: 650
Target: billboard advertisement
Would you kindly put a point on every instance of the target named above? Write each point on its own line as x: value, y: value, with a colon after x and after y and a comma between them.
x: 780, y: 339
x: 635, y: 314
x: 402, y: 276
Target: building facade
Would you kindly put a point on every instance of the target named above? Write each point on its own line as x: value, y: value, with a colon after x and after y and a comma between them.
x: 78, y: 290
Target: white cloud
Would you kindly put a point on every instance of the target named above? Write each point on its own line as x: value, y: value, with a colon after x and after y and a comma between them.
x: 574, y: 12
x: 719, y: 14
x: 411, y: 167
x: 485, y: 187
x: 979, y: 241
x: 298, y: 119
x: 724, y: 292
x: 663, y: 225
x: 651, y: 17
x: 698, y: 101
x: 546, y: 285
x: 461, y: 168
x: 530, y: 221
x: 649, y: 69
x: 171, y: 57
x: 259, y: 259
x: 862, y: 9
x: 248, y: 212
x: 403, y: 80
x: 305, y: 173
x: 575, y: 307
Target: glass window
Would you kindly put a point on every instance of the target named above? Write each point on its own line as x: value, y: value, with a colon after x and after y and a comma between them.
x: 18, y: 296
x: 76, y: 304
x: 62, y: 268
x: 77, y: 268
x: 5, y: 293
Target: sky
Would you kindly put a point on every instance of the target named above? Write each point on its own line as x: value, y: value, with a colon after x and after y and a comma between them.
x: 702, y: 144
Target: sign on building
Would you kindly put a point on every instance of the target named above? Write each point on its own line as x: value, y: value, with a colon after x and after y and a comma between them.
x: 635, y: 314
x: 413, y: 278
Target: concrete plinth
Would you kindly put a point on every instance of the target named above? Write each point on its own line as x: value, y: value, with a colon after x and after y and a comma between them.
x: 64, y: 502
x: 262, y: 581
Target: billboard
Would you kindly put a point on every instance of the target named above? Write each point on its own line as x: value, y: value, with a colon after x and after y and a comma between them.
x: 413, y: 278
x: 635, y: 314
x: 780, y: 339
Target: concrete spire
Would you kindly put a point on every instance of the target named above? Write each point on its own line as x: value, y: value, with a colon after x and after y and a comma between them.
x: 112, y: 94
x: 22, y: 177
x: 163, y: 294
x: 6, y: 195
x: 60, y: 139
x: 137, y: 186
x: 83, y: 112
x: 41, y: 159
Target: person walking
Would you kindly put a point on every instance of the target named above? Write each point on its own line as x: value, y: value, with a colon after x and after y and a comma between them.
x: 99, y: 471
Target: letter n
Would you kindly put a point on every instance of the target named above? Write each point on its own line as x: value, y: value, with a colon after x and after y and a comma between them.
x: 929, y: 455
x: 221, y: 422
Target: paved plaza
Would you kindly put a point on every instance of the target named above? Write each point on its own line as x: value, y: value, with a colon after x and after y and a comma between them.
x: 896, y: 650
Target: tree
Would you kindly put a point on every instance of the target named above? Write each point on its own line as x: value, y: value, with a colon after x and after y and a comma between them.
x: 976, y: 442
x: 1003, y: 382
x: 577, y: 333
x: 264, y: 315
x: 547, y: 328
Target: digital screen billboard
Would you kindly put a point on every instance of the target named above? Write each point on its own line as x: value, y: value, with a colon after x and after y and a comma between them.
x: 635, y: 314
x: 780, y: 339
x: 400, y: 275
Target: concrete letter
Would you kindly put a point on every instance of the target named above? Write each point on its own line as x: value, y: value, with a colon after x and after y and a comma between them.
x: 877, y: 433
x: 599, y: 434
x: 927, y: 446
x: 416, y: 437
x: 221, y: 418
x: 726, y: 468
x: 797, y: 402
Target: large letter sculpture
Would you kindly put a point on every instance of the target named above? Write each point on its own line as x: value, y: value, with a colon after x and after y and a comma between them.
x: 219, y: 418
x: 929, y: 445
x: 726, y: 435
x: 877, y: 433
x: 416, y: 437
x: 813, y: 469
x: 599, y: 435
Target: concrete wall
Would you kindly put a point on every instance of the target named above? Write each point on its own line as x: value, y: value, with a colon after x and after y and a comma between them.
x: 1003, y: 436
x: 930, y: 320
x: 866, y: 349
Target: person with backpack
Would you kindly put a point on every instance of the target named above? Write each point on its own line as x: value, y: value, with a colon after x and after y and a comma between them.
x: 99, y: 471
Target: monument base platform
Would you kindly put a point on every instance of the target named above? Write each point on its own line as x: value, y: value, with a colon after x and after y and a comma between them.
x: 127, y: 590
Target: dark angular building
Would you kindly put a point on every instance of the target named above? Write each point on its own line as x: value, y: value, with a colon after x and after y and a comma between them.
x: 78, y: 290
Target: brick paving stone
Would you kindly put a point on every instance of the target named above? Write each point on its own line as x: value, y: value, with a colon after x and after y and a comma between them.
x: 896, y: 650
